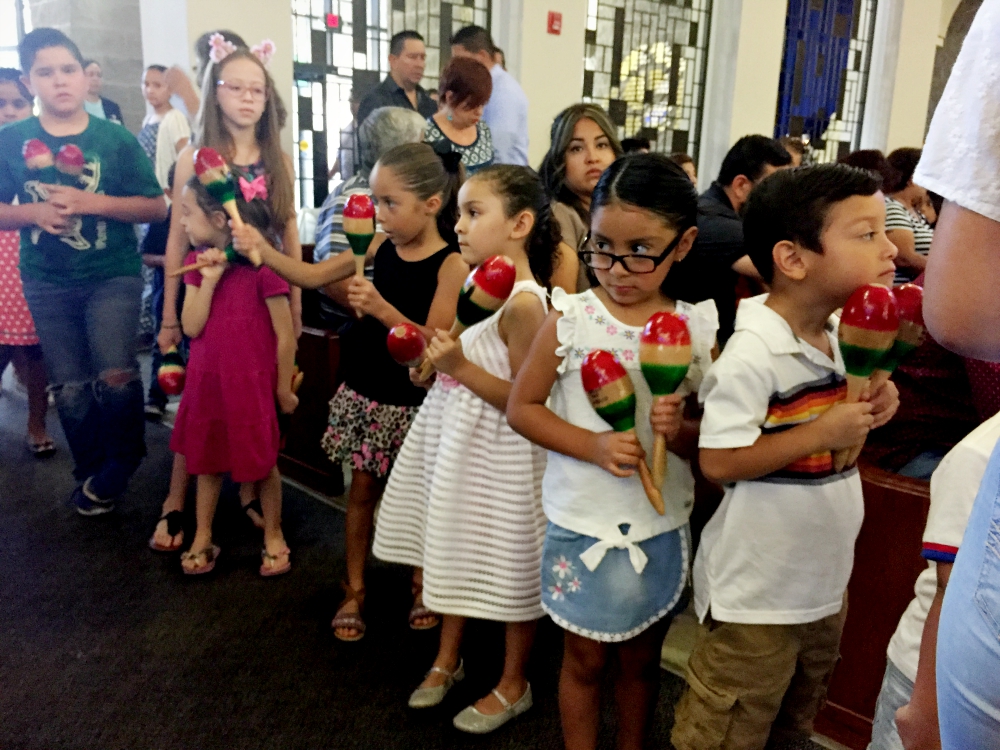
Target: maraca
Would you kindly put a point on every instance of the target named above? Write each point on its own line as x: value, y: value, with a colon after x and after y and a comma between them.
x: 38, y: 158
x: 171, y: 374
x: 406, y: 344
x: 231, y: 257
x: 213, y: 173
x: 359, y: 226
x: 867, y: 331
x: 665, y: 356
x: 612, y: 395
x: 483, y: 293
x: 909, y: 307
x: 70, y: 161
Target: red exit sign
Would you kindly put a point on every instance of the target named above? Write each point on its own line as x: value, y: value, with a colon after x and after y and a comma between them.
x: 555, y: 22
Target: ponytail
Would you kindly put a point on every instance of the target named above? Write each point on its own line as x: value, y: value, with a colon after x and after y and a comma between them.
x: 427, y: 173
x: 521, y: 189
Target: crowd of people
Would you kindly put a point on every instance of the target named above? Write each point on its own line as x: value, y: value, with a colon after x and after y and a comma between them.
x: 500, y: 484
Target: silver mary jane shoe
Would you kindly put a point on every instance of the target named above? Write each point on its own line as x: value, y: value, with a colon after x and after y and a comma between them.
x: 426, y: 697
x: 472, y: 721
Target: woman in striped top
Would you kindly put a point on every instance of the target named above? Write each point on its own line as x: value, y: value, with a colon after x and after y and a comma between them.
x: 906, y: 228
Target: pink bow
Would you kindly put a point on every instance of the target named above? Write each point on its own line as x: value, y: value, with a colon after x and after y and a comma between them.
x: 254, y: 189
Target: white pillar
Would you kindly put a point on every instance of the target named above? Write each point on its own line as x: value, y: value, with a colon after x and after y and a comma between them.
x: 882, y: 74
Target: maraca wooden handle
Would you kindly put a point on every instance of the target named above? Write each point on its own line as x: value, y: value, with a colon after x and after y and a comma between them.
x: 187, y: 269
x: 652, y: 491
x: 237, y: 222
x: 659, y: 459
x: 878, y: 379
x: 427, y: 369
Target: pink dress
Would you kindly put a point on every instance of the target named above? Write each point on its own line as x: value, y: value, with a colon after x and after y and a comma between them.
x: 227, y: 421
x: 16, y: 326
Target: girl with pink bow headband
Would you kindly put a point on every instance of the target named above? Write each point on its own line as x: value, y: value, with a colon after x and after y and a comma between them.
x: 241, y: 117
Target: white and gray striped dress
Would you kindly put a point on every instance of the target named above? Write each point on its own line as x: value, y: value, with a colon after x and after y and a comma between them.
x: 464, y: 499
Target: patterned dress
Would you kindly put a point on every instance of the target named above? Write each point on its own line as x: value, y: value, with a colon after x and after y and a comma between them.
x: 16, y: 325
x: 477, y: 155
x: 464, y: 499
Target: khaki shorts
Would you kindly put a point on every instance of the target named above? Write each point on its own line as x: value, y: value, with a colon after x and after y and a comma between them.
x: 749, y: 683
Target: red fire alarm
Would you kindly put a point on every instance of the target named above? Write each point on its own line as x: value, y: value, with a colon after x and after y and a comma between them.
x: 555, y: 22
x: 332, y: 21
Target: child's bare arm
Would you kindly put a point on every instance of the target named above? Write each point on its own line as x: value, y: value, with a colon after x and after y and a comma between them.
x: 292, y: 245
x: 43, y: 215
x: 841, y: 426
x: 133, y: 209
x: 520, y: 322
x: 528, y: 415
x: 198, y: 299
x: 281, y: 319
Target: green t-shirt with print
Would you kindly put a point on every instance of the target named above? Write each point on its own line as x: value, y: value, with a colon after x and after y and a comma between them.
x: 105, y: 158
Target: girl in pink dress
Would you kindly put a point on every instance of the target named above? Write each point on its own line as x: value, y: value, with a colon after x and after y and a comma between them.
x: 18, y: 342
x: 242, y: 357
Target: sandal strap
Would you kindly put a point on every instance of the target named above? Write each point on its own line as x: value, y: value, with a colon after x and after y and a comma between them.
x: 351, y: 594
x: 503, y: 701
x: 449, y: 675
x: 267, y: 556
x: 175, y: 522
x: 209, y: 554
x: 350, y: 620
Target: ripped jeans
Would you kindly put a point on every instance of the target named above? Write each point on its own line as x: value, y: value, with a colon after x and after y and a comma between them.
x: 88, y: 338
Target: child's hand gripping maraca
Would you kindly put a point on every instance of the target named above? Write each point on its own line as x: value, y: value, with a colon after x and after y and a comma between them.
x: 483, y: 293
x: 867, y: 331
x: 359, y: 226
x: 665, y: 356
x: 909, y: 308
x: 612, y: 395
x: 213, y: 172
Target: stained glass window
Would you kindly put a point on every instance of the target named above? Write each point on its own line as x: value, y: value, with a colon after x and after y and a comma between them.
x: 645, y: 64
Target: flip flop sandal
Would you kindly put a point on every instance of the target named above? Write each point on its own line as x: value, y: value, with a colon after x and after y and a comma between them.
x: 267, y: 569
x: 175, y: 528
x: 254, y: 507
x: 420, y: 612
x: 42, y: 449
x: 350, y: 620
x: 210, y: 554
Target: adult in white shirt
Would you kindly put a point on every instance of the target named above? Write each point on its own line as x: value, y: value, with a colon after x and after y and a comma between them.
x: 961, y: 161
x: 506, y: 113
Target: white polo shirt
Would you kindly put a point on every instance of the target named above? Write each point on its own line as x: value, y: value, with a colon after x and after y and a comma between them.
x: 954, y: 486
x: 780, y: 548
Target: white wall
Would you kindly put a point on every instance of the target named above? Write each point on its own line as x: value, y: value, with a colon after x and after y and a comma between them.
x: 918, y: 37
x: 551, y: 70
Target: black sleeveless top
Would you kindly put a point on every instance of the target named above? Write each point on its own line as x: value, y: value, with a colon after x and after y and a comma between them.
x: 409, y: 287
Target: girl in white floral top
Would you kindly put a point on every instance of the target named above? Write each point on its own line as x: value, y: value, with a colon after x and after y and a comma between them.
x: 613, y: 569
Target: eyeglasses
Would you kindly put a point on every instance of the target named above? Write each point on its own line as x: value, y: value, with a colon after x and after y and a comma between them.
x: 631, y: 262
x: 238, y: 90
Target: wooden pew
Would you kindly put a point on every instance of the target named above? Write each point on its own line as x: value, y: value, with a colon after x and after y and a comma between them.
x: 886, y: 565
x: 301, y: 457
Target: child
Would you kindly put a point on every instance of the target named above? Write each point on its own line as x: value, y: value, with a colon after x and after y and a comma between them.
x: 18, y: 340
x: 418, y: 274
x: 241, y: 119
x: 774, y: 560
x: 83, y: 185
x: 465, y: 497
x: 240, y: 324
x: 613, y: 570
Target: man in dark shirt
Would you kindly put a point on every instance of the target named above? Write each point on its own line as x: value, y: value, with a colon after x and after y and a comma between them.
x: 713, y: 267
x: 401, y: 88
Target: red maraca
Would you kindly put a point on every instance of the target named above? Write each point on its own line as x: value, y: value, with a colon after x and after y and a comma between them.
x: 612, y: 395
x: 483, y: 293
x: 171, y: 374
x: 406, y: 344
x: 867, y: 331
x: 70, y: 161
x: 359, y: 226
x: 665, y: 356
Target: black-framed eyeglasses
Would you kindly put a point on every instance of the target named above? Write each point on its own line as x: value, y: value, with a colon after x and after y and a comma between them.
x: 631, y: 262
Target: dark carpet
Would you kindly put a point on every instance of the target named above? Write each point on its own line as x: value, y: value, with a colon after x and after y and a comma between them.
x: 105, y: 644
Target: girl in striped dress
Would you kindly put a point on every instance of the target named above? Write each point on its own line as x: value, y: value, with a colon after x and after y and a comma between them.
x: 464, y: 498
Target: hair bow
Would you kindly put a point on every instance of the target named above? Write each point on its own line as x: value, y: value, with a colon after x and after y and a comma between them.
x: 452, y: 160
x: 255, y: 188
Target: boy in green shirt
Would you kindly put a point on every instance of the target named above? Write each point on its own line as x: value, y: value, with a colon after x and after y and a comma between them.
x: 80, y: 184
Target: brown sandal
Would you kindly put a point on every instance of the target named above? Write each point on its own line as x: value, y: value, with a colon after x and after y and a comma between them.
x: 350, y: 620
x: 419, y: 612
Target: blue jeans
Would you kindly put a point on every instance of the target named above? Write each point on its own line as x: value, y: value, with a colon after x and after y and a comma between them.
x: 88, y: 338
x: 895, y: 693
x: 968, y: 650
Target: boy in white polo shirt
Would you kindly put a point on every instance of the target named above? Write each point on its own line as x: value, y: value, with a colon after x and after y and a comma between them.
x: 771, y: 573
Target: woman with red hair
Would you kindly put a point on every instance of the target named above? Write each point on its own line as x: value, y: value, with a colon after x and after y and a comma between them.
x: 465, y: 88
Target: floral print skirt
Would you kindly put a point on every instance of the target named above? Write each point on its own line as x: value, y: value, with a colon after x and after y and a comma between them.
x: 365, y: 432
x: 612, y: 603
